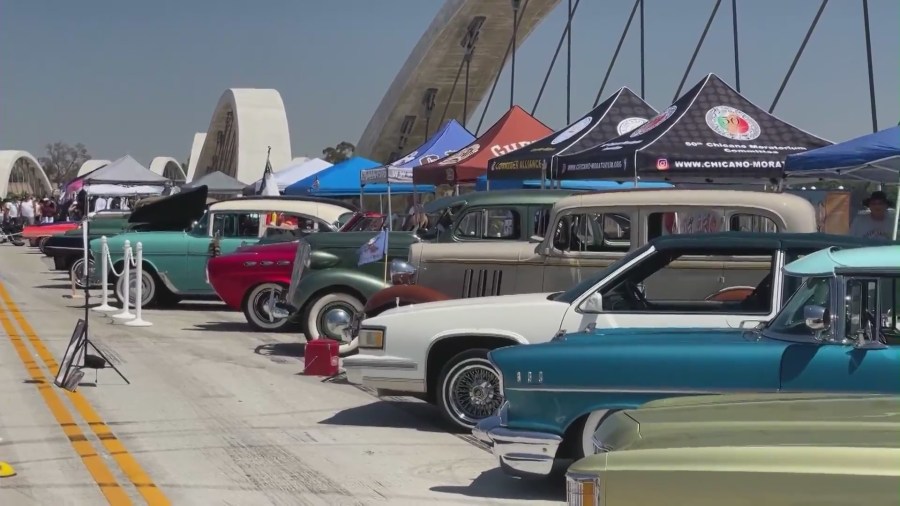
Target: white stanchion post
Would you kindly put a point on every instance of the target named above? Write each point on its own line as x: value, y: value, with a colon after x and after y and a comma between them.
x: 139, y: 293
x: 126, y: 273
x: 104, y: 276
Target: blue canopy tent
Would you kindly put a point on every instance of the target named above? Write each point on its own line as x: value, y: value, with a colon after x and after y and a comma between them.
x: 342, y: 180
x: 874, y: 158
x: 573, y: 184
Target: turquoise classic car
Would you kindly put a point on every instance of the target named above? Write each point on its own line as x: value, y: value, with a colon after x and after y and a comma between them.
x: 175, y: 261
x: 839, y: 332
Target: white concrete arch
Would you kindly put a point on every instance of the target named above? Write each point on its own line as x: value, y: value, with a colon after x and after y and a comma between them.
x: 20, y: 172
x: 246, y: 122
x: 167, y: 167
x: 196, y: 148
x: 91, y: 165
x: 399, y: 121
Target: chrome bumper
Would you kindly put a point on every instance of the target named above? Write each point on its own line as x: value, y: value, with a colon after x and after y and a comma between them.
x: 524, y: 454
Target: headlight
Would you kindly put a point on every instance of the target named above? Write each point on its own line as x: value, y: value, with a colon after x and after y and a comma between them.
x: 371, y: 338
x: 402, y: 272
x: 582, y: 489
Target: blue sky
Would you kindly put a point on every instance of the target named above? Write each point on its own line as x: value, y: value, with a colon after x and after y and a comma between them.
x: 142, y: 77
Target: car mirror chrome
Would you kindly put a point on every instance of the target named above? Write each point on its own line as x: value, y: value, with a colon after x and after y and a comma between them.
x: 402, y: 272
x: 593, y: 304
x: 815, y: 318
x: 868, y: 344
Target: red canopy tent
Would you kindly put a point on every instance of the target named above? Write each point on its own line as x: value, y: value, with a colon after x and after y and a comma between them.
x: 516, y: 129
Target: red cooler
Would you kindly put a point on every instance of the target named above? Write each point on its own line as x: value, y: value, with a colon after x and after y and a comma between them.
x: 321, y: 357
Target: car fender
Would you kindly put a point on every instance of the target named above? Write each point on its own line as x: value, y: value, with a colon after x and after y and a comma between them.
x: 473, y: 332
x: 335, y: 279
x: 407, y: 294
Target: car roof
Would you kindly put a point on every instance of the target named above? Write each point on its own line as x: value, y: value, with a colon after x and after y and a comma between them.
x: 831, y: 261
x: 238, y: 201
x: 761, y: 240
x: 518, y: 196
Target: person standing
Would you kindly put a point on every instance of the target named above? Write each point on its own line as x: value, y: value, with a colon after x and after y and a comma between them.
x: 878, y: 223
x: 11, y: 210
x: 27, y: 210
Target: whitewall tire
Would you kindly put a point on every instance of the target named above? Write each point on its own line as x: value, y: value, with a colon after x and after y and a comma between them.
x: 149, y: 293
x: 327, y: 314
x: 258, y: 304
x: 468, y: 389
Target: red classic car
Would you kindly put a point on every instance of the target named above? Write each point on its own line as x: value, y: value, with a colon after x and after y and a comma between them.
x: 37, y: 234
x: 253, y: 278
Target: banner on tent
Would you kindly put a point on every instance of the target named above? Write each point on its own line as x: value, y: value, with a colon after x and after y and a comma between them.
x: 386, y: 175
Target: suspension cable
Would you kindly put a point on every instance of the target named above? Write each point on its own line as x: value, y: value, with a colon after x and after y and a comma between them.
x: 497, y: 78
x: 790, y: 71
x: 616, y: 53
x: 562, y: 39
x: 687, y: 71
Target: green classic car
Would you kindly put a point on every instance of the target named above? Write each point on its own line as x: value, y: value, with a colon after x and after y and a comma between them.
x: 174, y: 263
x: 330, y: 288
x: 745, y: 449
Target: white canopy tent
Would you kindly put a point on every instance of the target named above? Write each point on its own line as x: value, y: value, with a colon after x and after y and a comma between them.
x: 291, y: 174
x: 125, y: 176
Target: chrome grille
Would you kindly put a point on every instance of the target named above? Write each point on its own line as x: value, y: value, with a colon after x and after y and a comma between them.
x: 300, y: 261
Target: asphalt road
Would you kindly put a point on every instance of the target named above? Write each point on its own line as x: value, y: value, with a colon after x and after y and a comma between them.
x: 215, y: 415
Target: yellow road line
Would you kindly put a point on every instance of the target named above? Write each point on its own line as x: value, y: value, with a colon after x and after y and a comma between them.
x: 129, y: 465
x: 95, y: 465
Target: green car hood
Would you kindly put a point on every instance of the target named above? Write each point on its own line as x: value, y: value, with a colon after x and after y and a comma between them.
x: 769, y: 420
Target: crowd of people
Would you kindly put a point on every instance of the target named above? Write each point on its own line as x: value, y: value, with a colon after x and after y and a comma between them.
x: 30, y: 211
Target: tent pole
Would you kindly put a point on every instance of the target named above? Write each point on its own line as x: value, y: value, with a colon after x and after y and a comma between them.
x: 687, y: 71
x: 865, y: 5
x: 390, y: 211
x: 616, y: 52
x: 790, y: 71
x: 896, y: 213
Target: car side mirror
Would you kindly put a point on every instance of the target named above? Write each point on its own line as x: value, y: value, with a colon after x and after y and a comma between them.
x: 816, y: 318
x: 593, y: 304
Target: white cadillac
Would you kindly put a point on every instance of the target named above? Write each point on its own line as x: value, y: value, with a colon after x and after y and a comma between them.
x: 438, y: 350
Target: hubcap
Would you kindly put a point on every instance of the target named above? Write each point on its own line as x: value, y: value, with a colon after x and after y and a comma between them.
x: 474, y: 393
x: 334, y: 319
x: 132, y: 290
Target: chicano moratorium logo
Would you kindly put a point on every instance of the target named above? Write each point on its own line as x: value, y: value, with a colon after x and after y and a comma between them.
x: 655, y: 122
x: 732, y: 123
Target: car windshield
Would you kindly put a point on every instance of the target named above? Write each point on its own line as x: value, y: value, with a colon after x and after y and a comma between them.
x: 201, y: 227
x: 572, y: 294
x: 790, y: 321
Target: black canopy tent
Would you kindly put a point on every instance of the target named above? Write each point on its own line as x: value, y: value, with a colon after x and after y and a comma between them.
x: 619, y: 114
x: 711, y: 134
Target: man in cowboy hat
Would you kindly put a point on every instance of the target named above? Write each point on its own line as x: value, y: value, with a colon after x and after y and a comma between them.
x: 879, y: 223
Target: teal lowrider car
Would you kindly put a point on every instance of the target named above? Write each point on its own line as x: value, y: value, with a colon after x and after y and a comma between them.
x: 771, y: 449
x: 838, y: 332
x: 175, y: 262
x: 328, y: 290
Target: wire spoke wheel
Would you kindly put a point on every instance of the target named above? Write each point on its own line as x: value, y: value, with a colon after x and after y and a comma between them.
x: 474, y: 392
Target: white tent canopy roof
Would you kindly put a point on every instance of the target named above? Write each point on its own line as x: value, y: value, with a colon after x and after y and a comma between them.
x: 125, y: 170
x: 295, y: 172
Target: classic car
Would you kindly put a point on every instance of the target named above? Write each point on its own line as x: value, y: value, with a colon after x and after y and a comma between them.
x: 437, y: 350
x: 326, y: 295
x: 175, y: 262
x: 37, y: 235
x: 772, y: 449
x: 174, y: 212
x: 589, y: 232
x: 837, y: 333
x: 255, y: 277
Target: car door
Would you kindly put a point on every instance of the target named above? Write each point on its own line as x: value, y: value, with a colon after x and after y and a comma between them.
x: 868, y: 358
x: 584, y: 243
x: 677, y: 288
